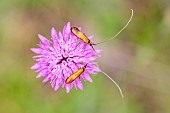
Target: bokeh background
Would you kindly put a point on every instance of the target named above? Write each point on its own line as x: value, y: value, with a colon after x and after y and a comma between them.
x: 138, y: 59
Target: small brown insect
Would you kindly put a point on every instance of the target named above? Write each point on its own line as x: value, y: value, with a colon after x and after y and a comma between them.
x: 81, y: 36
x: 77, y: 74
x: 86, y: 40
x: 72, y: 77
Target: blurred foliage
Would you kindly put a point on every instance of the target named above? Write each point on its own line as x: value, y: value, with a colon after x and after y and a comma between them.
x: 138, y: 59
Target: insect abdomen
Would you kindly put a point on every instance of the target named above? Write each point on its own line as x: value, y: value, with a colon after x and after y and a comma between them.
x: 72, y: 77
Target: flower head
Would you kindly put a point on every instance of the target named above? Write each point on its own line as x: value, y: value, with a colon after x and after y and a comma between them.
x: 63, y: 56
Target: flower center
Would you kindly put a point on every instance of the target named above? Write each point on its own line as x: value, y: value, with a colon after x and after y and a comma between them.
x: 63, y: 59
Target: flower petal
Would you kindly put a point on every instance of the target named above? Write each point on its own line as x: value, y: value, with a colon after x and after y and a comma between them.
x: 64, y: 55
x: 56, y: 87
x: 79, y: 84
x: 67, y: 30
x: 60, y: 36
x: 87, y: 77
x: 39, y: 75
x: 72, y: 39
x: 35, y: 66
x: 54, y: 36
x: 53, y: 32
x: 36, y: 50
x: 44, y: 40
x: 68, y: 87
x: 46, y: 79
x: 90, y: 37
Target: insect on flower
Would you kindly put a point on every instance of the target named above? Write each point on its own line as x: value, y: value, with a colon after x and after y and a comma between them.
x: 78, y: 73
x: 86, y: 40
x: 61, y: 61
x: 81, y: 36
x: 61, y: 57
x: 71, y: 78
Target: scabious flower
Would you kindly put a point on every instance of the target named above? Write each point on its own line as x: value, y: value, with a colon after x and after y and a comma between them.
x: 63, y: 56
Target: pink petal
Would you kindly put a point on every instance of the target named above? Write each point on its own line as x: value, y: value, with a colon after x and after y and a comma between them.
x: 91, y: 71
x: 98, y: 51
x: 64, y: 30
x: 44, y: 40
x: 90, y: 37
x: 68, y: 87
x: 72, y: 39
x: 56, y: 87
x: 36, y: 50
x: 87, y: 77
x: 46, y: 79
x: 60, y: 36
x: 75, y: 85
x: 79, y: 28
x: 79, y: 84
x: 35, y: 66
x: 53, y: 83
x: 93, y: 67
x: 39, y: 75
x: 35, y: 57
x: 67, y: 30
x: 97, y: 69
x: 53, y: 34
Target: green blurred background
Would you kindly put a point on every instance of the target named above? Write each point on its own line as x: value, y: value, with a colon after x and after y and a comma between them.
x: 138, y: 59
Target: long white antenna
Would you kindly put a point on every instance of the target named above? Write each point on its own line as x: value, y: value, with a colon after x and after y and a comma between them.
x: 114, y: 83
x: 120, y: 30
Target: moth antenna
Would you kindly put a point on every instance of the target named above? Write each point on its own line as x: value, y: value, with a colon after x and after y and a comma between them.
x: 120, y: 30
x: 114, y: 83
x: 93, y: 48
x: 86, y: 65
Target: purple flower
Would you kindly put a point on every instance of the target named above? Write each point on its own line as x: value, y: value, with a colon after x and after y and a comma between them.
x: 63, y: 56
